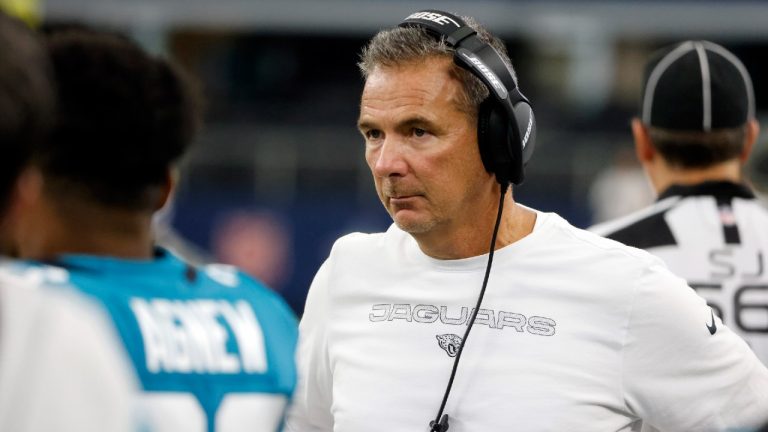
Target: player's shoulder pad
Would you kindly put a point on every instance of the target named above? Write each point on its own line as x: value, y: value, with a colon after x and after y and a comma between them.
x: 225, y: 275
x: 229, y: 276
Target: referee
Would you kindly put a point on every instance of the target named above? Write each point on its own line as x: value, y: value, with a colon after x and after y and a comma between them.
x: 695, y: 132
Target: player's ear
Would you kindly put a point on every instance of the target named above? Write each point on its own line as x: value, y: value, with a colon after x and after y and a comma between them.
x: 29, y: 186
x: 751, y: 132
x: 167, y: 188
x: 643, y: 145
x: 22, y: 207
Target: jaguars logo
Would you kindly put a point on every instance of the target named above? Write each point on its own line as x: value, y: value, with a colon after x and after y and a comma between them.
x: 450, y: 343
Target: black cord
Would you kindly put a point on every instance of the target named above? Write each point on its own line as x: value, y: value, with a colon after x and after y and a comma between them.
x: 441, y: 424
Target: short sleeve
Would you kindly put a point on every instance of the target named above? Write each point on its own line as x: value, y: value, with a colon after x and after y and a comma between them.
x: 683, y: 369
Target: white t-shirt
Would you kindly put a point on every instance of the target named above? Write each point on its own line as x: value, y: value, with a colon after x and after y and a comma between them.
x: 576, y: 333
x: 62, y: 367
x: 715, y: 236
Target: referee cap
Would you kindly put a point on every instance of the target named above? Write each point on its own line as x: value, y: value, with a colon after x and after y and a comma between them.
x: 696, y: 86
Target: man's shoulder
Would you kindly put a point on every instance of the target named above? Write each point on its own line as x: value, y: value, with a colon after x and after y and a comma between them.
x: 592, y: 247
x: 580, y: 255
x: 362, y: 242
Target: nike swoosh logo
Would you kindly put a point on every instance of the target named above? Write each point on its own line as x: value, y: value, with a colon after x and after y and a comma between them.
x: 712, y: 327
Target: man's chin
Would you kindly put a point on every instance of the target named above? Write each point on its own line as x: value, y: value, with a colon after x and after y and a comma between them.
x: 412, y: 226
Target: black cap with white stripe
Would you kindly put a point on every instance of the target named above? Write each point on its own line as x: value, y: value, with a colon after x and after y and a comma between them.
x: 696, y: 86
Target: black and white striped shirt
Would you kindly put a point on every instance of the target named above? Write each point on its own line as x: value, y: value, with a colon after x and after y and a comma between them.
x: 714, y: 235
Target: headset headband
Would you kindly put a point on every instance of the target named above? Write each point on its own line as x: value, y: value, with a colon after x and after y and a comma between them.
x: 483, y: 61
x: 453, y: 28
x: 471, y: 52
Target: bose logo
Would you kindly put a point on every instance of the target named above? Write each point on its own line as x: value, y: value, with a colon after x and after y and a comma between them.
x: 528, y: 131
x: 497, y: 85
x: 434, y: 17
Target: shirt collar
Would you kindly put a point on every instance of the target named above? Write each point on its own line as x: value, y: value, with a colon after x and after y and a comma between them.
x: 719, y: 189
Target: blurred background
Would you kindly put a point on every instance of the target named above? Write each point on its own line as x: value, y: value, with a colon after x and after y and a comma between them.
x: 278, y: 174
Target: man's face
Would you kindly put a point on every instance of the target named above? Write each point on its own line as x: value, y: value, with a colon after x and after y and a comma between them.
x: 421, y: 148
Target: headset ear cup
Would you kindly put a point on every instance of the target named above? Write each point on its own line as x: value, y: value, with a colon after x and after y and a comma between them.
x: 526, y: 126
x: 496, y: 141
x: 483, y: 140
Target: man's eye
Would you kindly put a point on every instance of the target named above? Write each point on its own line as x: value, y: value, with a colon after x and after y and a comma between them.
x: 419, y: 132
x: 373, y: 134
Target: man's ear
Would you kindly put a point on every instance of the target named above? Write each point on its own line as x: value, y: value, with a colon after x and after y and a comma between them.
x: 643, y: 146
x: 752, y: 132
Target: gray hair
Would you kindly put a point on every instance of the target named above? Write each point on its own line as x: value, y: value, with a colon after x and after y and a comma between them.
x: 403, y: 45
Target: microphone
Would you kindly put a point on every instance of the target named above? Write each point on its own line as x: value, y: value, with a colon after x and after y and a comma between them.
x: 442, y: 426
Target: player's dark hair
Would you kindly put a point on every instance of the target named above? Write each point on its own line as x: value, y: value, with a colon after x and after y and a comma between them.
x: 695, y: 149
x: 26, y: 100
x: 124, y: 118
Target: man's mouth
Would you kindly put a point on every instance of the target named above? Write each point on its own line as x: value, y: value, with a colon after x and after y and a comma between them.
x: 402, y: 199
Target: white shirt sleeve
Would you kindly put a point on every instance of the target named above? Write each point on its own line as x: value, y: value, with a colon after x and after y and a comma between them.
x: 678, y: 374
x: 62, y: 367
x: 311, y: 407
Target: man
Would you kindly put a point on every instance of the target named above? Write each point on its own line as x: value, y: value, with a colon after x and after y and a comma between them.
x: 575, y: 333
x: 61, y: 365
x: 696, y: 131
x: 213, y: 348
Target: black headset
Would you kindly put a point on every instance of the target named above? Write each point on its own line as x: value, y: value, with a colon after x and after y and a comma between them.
x: 506, y: 128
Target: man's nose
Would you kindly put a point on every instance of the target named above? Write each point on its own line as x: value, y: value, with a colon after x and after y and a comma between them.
x: 389, y: 159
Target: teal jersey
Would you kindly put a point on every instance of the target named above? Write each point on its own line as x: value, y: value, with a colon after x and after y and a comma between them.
x: 213, y: 348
